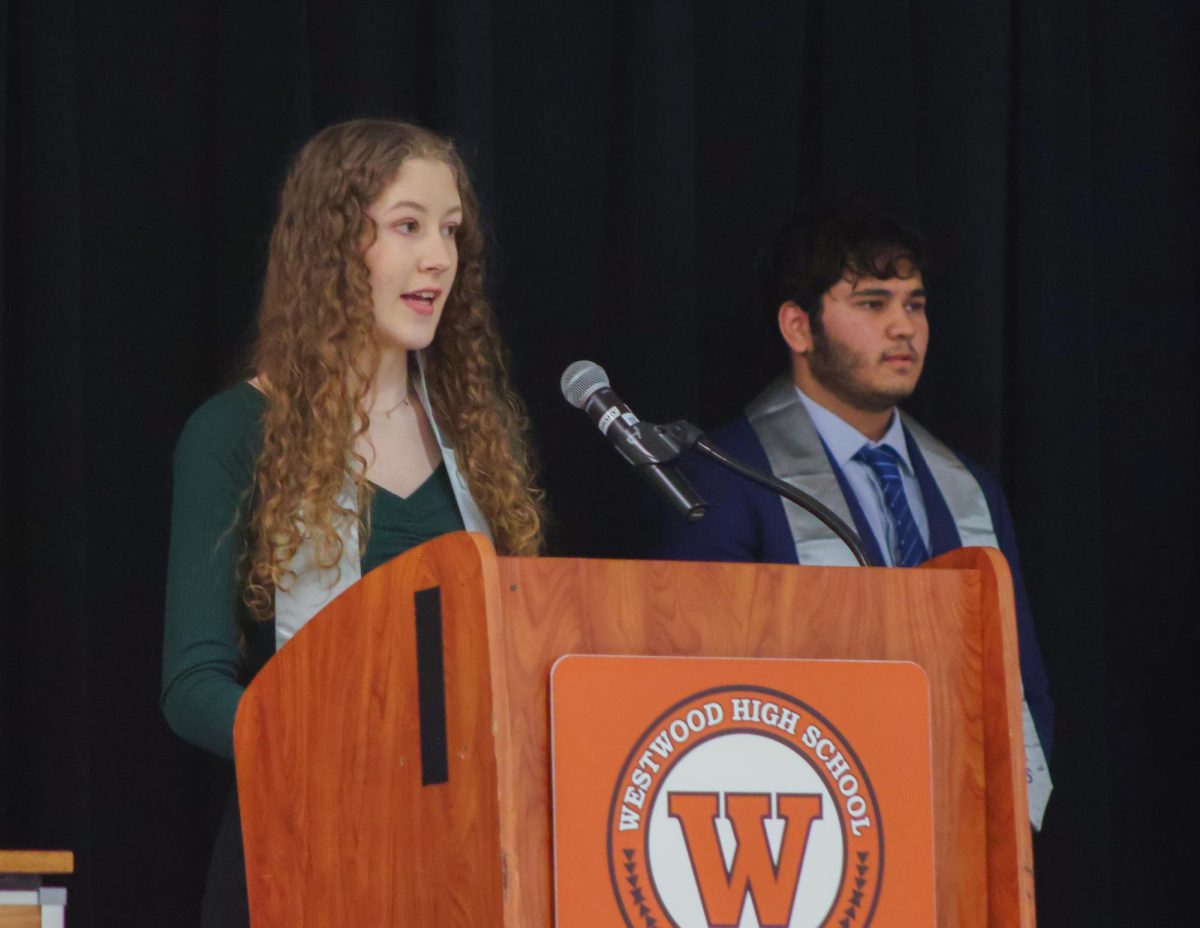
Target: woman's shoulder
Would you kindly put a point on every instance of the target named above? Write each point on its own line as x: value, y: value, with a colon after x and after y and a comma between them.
x: 226, y: 425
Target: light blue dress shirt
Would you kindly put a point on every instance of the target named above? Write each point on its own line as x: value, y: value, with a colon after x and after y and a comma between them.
x: 843, y: 441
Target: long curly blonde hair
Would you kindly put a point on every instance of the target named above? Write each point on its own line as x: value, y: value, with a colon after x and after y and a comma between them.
x: 316, y: 355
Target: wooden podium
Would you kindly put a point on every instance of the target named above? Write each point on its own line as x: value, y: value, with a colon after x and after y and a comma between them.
x: 393, y: 762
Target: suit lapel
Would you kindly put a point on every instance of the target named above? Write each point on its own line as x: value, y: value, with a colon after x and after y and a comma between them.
x: 943, y: 534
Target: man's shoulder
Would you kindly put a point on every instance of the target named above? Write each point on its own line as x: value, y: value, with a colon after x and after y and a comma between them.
x: 744, y: 521
x: 735, y: 434
x: 738, y: 439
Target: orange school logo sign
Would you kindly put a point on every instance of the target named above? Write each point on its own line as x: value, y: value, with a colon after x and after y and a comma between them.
x: 741, y: 793
x: 741, y: 805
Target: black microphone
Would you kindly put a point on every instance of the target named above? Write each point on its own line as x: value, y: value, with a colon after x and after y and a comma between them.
x: 585, y: 386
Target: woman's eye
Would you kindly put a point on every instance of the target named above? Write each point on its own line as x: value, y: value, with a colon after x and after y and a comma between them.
x: 450, y: 231
x: 407, y: 227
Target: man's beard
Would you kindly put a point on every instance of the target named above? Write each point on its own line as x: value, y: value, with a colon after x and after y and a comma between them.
x: 834, y: 365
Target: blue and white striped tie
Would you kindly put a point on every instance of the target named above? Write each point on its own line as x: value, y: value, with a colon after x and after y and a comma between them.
x: 910, y: 547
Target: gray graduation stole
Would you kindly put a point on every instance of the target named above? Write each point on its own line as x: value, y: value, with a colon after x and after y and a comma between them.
x: 314, y: 588
x: 797, y: 455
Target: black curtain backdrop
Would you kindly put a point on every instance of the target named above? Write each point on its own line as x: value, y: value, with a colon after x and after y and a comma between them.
x: 631, y: 157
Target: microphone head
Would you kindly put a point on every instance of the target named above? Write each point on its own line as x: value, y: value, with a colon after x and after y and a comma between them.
x: 581, y: 380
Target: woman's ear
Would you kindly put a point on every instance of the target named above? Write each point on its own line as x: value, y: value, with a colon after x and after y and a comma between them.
x: 795, y: 328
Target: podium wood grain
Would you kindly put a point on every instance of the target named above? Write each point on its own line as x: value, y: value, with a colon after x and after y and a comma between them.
x: 37, y: 862
x: 20, y: 916
x: 340, y: 831
x: 338, y: 828
x: 933, y: 617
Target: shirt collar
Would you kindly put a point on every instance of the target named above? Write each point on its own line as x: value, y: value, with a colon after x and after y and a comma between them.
x: 843, y: 440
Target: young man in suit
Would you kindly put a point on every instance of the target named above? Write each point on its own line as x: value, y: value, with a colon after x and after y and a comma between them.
x: 845, y: 287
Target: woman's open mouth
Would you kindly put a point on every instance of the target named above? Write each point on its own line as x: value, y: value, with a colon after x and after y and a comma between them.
x: 421, y: 301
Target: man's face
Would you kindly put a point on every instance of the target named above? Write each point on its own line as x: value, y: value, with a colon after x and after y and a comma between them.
x: 869, y: 346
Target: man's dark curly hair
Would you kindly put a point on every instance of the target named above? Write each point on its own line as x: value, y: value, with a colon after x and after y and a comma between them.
x: 834, y: 239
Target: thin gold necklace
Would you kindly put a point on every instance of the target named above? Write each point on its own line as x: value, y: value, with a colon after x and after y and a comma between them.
x: 403, y: 402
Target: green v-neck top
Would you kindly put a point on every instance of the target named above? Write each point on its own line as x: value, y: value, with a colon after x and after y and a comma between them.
x: 212, y: 647
x: 402, y: 522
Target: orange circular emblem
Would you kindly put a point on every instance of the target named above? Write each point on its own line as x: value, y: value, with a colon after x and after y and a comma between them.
x: 742, y: 807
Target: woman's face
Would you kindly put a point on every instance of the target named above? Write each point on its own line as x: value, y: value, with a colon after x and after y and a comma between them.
x: 414, y: 257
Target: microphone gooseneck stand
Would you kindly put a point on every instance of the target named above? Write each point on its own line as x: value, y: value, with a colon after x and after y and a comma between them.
x: 683, y: 435
x: 651, y: 448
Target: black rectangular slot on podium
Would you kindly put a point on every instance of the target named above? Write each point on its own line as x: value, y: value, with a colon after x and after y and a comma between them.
x: 431, y: 687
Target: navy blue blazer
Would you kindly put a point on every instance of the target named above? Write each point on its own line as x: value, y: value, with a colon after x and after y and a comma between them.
x: 746, y: 522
